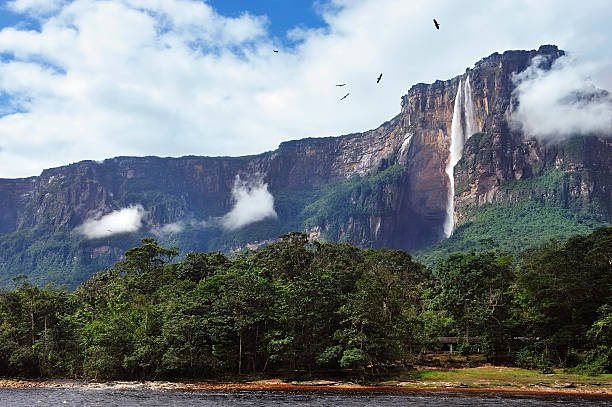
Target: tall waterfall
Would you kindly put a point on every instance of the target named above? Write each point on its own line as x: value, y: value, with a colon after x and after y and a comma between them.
x: 462, y: 127
x: 405, y: 144
x: 468, y: 111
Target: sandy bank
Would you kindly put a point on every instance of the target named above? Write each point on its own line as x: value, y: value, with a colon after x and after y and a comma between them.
x: 313, y: 386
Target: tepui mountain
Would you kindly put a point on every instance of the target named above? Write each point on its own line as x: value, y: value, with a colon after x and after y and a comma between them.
x: 450, y: 164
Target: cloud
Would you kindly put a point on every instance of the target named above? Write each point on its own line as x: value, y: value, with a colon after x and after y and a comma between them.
x: 168, y: 229
x: 120, y: 221
x: 252, y: 203
x: 173, y: 77
x: 562, y: 101
x: 35, y: 7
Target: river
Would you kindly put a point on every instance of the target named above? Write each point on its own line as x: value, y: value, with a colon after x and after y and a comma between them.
x: 17, y: 397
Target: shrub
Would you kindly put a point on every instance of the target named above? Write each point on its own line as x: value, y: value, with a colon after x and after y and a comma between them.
x: 596, y: 361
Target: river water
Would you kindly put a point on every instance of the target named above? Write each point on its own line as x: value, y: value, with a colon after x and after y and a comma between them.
x: 150, y: 398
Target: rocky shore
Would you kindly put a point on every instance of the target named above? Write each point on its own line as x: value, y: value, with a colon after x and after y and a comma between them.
x: 562, y: 389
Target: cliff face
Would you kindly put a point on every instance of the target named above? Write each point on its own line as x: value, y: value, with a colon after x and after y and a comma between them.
x: 385, y: 187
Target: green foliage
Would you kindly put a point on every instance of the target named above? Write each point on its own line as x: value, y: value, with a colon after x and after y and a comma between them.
x: 474, y: 289
x: 354, y: 198
x: 381, y: 318
x: 596, y: 361
x: 600, y: 332
x: 558, y: 290
x: 530, y: 359
x: 300, y: 306
x: 549, y: 181
x: 513, y: 227
x: 49, y: 255
x: 354, y: 357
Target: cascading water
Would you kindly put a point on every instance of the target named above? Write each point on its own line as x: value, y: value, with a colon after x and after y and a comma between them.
x: 462, y: 127
x: 405, y: 144
x: 468, y: 110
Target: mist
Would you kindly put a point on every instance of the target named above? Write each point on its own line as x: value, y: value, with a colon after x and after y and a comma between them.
x: 168, y: 229
x: 252, y: 203
x: 120, y: 221
x: 561, y: 102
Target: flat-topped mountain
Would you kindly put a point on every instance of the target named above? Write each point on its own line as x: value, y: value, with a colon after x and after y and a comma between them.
x: 450, y: 163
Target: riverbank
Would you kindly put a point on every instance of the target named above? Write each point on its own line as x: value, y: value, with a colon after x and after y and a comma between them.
x: 485, y: 379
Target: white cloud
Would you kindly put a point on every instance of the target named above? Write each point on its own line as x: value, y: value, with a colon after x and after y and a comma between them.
x: 120, y: 221
x: 168, y: 229
x: 173, y: 77
x: 36, y: 7
x: 252, y: 203
x: 562, y: 101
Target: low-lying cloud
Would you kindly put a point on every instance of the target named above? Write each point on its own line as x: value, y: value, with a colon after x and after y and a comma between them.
x: 560, y: 102
x: 168, y: 229
x: 179, y: 226
x: 252, y: 203
x: 124, y: 220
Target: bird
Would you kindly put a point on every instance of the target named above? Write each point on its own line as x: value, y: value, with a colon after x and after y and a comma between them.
x: 436, y: 24
x: 341, y: 84
x: 275, y: 50
x: 379, y: 78
x: 344, y: 97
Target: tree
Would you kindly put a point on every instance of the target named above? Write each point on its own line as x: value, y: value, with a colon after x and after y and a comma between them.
x: 381, y: 317
x: 238, y: 303
x: 197, y: 266
x: 559, y: 289
x: 474, y: 289
x: 147, y: 258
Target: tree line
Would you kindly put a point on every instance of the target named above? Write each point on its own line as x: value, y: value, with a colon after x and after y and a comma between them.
x: 313, y: 307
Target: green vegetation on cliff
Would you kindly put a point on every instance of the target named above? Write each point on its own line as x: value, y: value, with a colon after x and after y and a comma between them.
x: 533, y: 211
x: 46, y: 254
x: 513, y: 227
x: 302, y: 307
x: 355, y: 198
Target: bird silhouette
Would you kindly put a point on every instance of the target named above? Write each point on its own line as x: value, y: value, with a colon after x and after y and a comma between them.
x: 275, y: 50
x: 436, y: 24
x: 379, y: 78
x: 344, y: 97
x: 341, y: 84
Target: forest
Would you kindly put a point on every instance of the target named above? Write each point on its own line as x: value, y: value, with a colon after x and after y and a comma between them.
x: 300, y: 307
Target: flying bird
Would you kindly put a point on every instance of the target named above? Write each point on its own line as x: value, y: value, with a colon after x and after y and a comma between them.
x: 436, y: 24
x: 344, y: 97
x: 341, y: 84
x: 379, y: 78
x: 275, y: 50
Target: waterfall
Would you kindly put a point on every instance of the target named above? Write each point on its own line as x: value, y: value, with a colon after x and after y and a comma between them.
x: 454, y: 156
x: 462, y: 127
x: 405, y: 144
x: 468, y: 110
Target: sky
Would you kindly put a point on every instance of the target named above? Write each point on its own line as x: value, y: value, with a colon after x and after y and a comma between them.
x: 95, y: 79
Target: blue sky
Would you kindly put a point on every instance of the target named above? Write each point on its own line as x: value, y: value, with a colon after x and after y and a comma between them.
x: 103, y: 78
x: 9, y: 18
x: 283, y: 15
